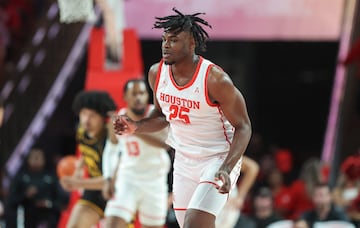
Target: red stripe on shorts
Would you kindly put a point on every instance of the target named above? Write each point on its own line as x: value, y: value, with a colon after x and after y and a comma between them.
x: 209, y: 182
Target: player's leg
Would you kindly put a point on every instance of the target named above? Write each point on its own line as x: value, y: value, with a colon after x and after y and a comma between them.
x: 121, y: 209
x: 83, y: 216
x: 206, y: 202
x: 199, y: 219
x: 113, y: 221
x: 186, y: 176
x: 153, y: 205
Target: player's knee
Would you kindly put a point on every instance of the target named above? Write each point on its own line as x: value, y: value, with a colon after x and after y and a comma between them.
x: 198, y: 219
x: 73, y: 225
x: 115, y: 222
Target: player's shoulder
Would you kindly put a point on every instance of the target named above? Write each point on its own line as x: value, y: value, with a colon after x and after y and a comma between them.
x: 218, y: 75
x: 153, y: 72
x: 155, y: 67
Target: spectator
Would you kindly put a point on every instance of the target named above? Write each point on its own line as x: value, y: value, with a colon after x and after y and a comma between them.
x: 37, y: 191
x: 302, y: 188
x: 281, y: 194
x: 347, y: 190
x: 264, y: 213
x: 324, y: 210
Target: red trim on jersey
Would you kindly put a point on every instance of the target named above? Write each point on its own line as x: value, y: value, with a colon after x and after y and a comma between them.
x: 179, y: 209
x: 158, y: 76
x: 223, y: 125
x: 192, y: 79
x: 209, y: 182
x: 208, y: 100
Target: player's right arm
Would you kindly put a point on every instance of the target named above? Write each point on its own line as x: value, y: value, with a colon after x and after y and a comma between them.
x: 156, y: 120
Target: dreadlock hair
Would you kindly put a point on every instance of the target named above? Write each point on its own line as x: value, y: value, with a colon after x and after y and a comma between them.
x: 99, y: 101
x: 180, y: 22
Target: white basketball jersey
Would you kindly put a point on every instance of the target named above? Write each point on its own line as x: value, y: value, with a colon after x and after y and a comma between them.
x: 140, y: 159
x: 197, y: 126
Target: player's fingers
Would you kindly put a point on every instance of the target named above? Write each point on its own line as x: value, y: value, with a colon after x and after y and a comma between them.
x: 225, y: 187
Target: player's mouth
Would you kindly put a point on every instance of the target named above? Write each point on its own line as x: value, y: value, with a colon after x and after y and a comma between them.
x: 166, y: 54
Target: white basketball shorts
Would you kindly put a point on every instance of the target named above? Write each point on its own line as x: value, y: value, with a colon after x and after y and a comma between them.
x: 194, y: 184
x: 148, y: 198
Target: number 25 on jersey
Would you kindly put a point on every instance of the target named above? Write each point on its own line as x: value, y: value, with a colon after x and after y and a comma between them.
x: 179, y: 112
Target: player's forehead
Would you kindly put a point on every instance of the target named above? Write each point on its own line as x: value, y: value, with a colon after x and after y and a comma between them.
x: 137, y: 86
x: 174, y: 33
x: 86, y: 111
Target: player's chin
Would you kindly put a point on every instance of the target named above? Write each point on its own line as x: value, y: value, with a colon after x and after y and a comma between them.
x: 168, y: 61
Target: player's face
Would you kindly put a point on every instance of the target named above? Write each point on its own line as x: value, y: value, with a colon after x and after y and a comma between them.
x: 176, y: 47
x: 91, y: 121
x: 137, y: 97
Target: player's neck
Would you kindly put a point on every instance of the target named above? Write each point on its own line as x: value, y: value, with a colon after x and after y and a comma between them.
x: 185, y: 68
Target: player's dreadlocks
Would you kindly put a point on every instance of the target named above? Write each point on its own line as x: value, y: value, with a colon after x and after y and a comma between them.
x: 180, y: 22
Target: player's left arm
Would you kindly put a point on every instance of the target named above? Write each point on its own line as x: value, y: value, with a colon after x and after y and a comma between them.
x: 222, y: 91
x: 77, y: 181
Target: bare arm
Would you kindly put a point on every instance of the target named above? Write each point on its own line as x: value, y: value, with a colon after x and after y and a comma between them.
x: 78, y: 182
x: 156, y: 121
x: 94, y: 183
x: 232, y: 103
x: 250, y: 169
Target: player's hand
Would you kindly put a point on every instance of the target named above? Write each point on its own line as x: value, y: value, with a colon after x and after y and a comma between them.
x: 224, y: 177
x: 123, y: 125
x: 108, y: 189
x: 69, y: 183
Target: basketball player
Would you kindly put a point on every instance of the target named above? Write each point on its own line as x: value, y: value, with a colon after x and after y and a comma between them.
x: 209, y: 125
x: 141, y: 180
x: 92, y: 108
